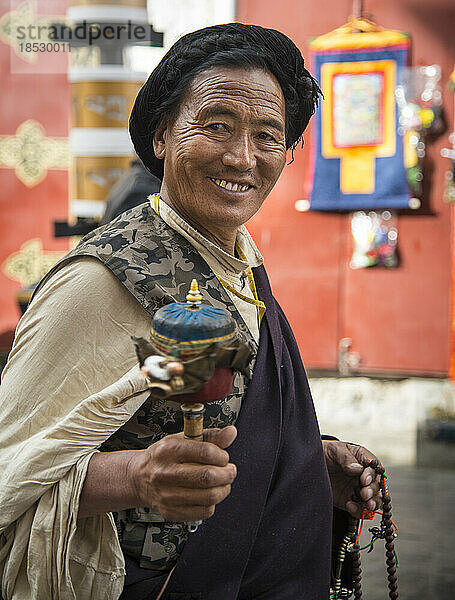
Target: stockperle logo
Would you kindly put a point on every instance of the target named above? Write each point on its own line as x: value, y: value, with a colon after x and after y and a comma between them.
x: 87, y: 33
x: 43, y: 40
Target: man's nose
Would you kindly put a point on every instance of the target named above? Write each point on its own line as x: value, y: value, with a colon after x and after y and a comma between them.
x: 240, y: 154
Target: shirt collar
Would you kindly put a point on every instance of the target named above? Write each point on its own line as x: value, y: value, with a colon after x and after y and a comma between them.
x: 244, y: 240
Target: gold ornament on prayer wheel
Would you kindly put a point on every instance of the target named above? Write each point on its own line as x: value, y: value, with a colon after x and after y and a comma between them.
x: 103, y: 103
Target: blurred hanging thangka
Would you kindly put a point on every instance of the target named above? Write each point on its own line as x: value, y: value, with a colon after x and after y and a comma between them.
x: 356, y: 149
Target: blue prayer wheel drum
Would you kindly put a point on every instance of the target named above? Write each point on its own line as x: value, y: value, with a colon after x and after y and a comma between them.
x: 181, y: 330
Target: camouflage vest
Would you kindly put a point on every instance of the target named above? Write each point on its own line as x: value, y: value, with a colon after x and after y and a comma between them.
x: 156, y: 265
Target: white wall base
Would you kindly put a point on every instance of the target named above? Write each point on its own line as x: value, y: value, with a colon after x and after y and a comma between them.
x: 380, y: 414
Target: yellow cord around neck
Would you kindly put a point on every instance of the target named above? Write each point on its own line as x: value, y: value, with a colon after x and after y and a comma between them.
x: 260, y: 306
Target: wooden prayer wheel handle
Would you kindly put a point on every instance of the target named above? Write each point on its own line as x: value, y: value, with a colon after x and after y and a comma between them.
x: 193, y: 429
x: 193, y: 421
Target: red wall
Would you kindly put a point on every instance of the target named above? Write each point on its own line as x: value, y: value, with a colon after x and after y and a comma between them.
x: 28, y: 213
x: 398, y: 319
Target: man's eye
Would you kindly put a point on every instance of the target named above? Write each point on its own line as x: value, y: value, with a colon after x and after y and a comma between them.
x: 266, y: 136
x: 217, y: 126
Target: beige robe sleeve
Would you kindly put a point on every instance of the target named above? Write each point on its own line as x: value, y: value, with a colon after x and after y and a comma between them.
x: 70, y: 382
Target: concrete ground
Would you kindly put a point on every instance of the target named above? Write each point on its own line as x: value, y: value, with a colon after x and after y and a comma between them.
x: 423, y: 502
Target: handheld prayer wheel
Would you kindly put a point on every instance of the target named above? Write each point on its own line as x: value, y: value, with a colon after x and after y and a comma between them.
x: 191, y: 358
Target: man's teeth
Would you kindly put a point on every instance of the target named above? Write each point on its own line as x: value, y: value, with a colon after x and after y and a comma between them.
x: 232, y: 187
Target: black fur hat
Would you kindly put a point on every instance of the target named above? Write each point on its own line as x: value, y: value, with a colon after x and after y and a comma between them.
x: 232, y: 44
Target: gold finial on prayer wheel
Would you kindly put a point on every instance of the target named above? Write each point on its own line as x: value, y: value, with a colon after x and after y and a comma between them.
x: 194, y: 296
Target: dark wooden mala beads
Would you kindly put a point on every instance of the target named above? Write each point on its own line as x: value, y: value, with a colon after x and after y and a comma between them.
x: 386, y: 531
x: 357, y: 575
x: 389, y: 547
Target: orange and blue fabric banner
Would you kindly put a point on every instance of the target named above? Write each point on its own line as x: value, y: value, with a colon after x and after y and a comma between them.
x: 356, y: 150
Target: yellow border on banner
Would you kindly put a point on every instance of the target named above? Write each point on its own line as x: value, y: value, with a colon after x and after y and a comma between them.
x: 359, y: 33
x: 357, y: 166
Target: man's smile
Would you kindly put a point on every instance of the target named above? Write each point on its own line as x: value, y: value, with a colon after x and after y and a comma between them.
x: 231, y: 186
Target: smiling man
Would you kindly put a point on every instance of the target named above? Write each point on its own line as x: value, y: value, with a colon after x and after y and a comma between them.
x: 97, y: 483
x: 224, y: 151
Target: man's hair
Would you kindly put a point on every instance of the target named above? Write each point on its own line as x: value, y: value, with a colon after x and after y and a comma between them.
x: 229, y: 45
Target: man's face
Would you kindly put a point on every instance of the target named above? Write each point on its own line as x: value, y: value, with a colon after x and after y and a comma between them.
x: 225, y: 149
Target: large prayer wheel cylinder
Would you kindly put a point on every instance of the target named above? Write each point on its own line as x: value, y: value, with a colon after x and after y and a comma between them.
x: 102, y: 98
x: 103, y: 103
x: 99, y: 141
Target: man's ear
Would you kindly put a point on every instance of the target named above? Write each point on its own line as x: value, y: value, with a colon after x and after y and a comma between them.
x: 159, y: 140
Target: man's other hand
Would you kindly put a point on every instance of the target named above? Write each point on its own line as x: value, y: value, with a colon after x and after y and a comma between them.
x: 349, y: 478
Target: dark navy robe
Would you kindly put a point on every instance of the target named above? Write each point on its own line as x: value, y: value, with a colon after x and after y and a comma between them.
x: 270, y: 539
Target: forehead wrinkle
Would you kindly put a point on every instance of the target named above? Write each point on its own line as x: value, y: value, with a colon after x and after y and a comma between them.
x: 252, y: 100
x: 230, y: 105
x: 216, y: 102
x: 247, y: 94
x: 216, y: 82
